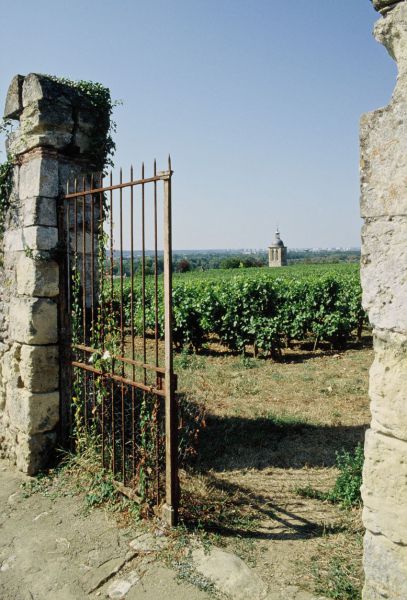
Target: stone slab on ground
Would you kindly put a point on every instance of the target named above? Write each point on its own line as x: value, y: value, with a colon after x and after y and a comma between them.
x: 147, y: 543
x: 229, y: 574
x: 159, y: 583
x: 232, y: 577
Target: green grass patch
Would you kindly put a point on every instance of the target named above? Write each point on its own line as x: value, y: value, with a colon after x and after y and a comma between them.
x: 346, y: 490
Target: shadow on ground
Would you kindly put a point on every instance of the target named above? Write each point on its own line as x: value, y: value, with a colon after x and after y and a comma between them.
x: 297, y: 352
x: 250, y: 515
x: 243, y: 482
x: 229, y: 443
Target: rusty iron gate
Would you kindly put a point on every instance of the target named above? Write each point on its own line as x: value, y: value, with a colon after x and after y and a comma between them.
x: 118, y: 319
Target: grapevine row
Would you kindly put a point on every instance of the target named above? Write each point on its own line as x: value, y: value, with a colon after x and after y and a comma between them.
x: 265, y: 313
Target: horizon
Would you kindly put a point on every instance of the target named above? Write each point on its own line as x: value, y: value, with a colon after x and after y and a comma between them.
x: 253, y: 250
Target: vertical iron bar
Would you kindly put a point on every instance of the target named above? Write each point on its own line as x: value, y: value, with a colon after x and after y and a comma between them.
x: 101, y: 258
x: 155, y: 269
x: 76, y: 223
x: 133, y: 412
x: 92, y: 256
x: 157, y: 402
x: 84, y: 293
x: 101, y: 283
x: 111, y: 242
x: 93, y: 326
x: 75, y: 286
x: 68, y: 252
x: 122, y: 329
x: 112, y: 333
x: 170, y: 508
x: 65, y: 326
x: 143, y: 270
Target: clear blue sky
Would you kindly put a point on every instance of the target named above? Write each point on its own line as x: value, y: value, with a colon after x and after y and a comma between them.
x: 258, y: 102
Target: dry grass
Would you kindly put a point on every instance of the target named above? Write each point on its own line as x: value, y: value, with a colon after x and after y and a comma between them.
x: 271, y: 428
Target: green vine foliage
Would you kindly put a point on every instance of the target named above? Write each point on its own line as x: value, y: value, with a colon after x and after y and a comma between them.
x: 256, y: 310
x: 103, y: 147
x: 6, y: 181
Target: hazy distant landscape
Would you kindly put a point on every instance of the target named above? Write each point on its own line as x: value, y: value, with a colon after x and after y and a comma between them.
x: 204, y: 260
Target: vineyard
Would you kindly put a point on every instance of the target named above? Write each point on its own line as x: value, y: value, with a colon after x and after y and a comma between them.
x: 264, y: 309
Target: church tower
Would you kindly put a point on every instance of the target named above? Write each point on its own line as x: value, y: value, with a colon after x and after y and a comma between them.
x: 277, y: 252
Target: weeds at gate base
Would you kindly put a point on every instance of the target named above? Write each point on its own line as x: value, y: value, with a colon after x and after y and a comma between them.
x: 346, y: 491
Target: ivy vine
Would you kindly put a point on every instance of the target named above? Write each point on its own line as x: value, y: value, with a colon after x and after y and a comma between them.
x: 6, y: 182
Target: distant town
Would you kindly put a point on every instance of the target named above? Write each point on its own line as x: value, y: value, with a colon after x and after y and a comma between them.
x: 203, y: 260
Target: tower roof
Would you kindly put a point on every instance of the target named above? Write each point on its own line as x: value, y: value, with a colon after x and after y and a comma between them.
x: 278, y: 242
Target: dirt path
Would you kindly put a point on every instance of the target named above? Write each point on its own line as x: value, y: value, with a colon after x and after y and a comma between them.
x: 51, y: 550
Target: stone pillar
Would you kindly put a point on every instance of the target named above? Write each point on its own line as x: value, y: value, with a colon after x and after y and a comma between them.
x: 54, y: 141
x: 384, y: 282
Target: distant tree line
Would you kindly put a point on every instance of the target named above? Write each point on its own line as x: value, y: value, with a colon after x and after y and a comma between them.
x: 203, y: 261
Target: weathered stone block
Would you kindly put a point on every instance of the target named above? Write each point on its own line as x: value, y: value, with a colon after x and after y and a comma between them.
x: 32, y: 413
x: 44, y: 123
x: 383, y: 272
x: 54, y: 115
x: 33, y: 452
x: 14, y: 99
x: 383, y: 4
x: 84, y: 243
x: 39, y: 211
x: 85, y: 130
x: 13, y: 241
x: 37, y: 277
x: 10, y: 366
x: 384, y: 488
x: 385, y: 567
x: 39, y: 368
x: 68, y: 172
x: 29, y: 239
x: 388, y: 384
x: 37, y: 87
x: 33, y: 321
x: 392, y: 32
x: 383, y: 164
x: 39, y: 177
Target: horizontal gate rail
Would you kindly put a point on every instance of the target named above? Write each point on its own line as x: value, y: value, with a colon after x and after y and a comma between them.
x: 115, y: 357
x: 107, y: 375
x: 161, y: 176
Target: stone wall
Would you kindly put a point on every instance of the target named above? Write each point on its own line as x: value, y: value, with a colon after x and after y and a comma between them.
x: 57, y: 128
x: 384, y: 281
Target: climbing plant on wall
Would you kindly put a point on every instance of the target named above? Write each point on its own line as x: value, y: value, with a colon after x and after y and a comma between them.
x: 103, y: 147
x: 6, y: 182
